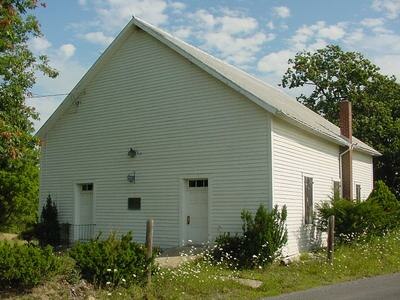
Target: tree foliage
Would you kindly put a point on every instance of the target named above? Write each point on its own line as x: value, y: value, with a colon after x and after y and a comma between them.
x: 18, y: 146
x: 48, y: 229
x: 330, y: 75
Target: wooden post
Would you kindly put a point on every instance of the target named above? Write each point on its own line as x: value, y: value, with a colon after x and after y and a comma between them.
x: 331, y: 237
x: 149, y: 246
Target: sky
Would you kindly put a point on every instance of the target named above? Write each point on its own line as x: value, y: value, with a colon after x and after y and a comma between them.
x: 256, y: 36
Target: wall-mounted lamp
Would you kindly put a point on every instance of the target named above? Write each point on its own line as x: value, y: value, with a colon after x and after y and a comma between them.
x: 131, y: 177
x: 132, y: 153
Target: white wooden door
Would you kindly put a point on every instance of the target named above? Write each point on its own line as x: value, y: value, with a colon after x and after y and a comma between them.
x: 86, y: 207
x: 196, y: 218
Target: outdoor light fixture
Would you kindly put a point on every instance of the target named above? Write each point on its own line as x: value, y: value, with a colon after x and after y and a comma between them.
x: 132, y: 153
x: 131, y: 177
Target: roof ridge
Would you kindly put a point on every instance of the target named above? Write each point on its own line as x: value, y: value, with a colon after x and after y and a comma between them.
x: 268, y: 97
x: 332, y: 131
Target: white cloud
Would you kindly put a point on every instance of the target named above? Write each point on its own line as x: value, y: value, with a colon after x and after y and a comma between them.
x: 372, y: 22
x: 317, y: 44
x: 381, y: 30
x: 275, y: 62
x: 204, y: 18
x: 70, y: 72
x: 301, y: 36
x: 237, y: 50
x: 354, y: 36
x: 177, y: 5
x: 309, y: 34
x: 230, y: 35
x: 82, y: 2
x: 333, y: 32
x: 390, y: 64
x: 39, y: 44
x: 183, y: 32
x: 234, y: 24
x: 305, y: 38
x: 113, y: 14
x: 282, y: 11
x: 67, y: 50
x: 379, y: 44
x: 97, y: 37
x: 390, y: 7
x: 270, y: 25
x: 45, y: 106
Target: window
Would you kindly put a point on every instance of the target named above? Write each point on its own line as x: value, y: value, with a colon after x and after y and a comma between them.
x: 198, y: 183
x: 134, y: 203
x: 358, y: 192
x: 87, y: 187
x: 308, y: 200
x: 336, y: 189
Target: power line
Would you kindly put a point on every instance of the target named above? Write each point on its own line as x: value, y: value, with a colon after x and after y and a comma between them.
x: 44, y: 96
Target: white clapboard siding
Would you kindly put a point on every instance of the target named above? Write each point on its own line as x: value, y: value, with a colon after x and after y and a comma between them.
x: 363, y: 174
x: 185, y: 123
x: 297, y: 154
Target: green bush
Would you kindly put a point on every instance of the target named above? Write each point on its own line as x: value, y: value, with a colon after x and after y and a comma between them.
x: 354, y: 219
x: 112, y: 262
x: 25, y: 265
x: 48, y: 230
x: 227, y: 249
x: 263, y: 237
x: 382, y: 196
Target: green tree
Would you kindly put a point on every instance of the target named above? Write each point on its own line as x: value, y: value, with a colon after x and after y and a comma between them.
x: 330, y: 75
x: 48, y: 229
x: 18, y: 146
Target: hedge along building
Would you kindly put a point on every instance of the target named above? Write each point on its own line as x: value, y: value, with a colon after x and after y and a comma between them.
x: 160, y: 129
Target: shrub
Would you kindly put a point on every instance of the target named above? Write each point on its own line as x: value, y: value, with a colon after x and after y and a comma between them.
x: 48, y: 230
x: 382, y: 196
x: 227, y: 248
x: 353, y: 219
x: 112, y: 262
x: 263, y: 237
x: 25, y: 265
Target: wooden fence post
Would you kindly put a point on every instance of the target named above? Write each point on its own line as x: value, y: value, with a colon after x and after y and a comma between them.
x: 149, y: 246
x: 331, y: 237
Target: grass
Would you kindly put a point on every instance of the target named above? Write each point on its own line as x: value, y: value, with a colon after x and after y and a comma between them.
x: 201, y: 280
x: 11, y: 238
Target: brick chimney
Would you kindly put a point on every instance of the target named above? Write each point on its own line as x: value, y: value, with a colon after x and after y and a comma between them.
x: 346, y: 130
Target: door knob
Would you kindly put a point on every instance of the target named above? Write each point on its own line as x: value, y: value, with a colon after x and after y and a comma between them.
x: 188, y: 220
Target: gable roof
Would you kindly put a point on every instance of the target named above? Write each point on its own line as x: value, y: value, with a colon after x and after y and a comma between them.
x: 268, y: 97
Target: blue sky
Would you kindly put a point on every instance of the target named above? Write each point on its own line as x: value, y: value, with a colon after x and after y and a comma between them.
x: 257, y: 36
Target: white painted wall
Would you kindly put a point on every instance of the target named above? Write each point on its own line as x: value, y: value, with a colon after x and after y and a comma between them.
x: 185, y: 123
x: 297, y: 154
x: 363, y: 174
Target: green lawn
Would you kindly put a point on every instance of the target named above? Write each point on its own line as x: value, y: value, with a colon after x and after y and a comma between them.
x: 201, y: 280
